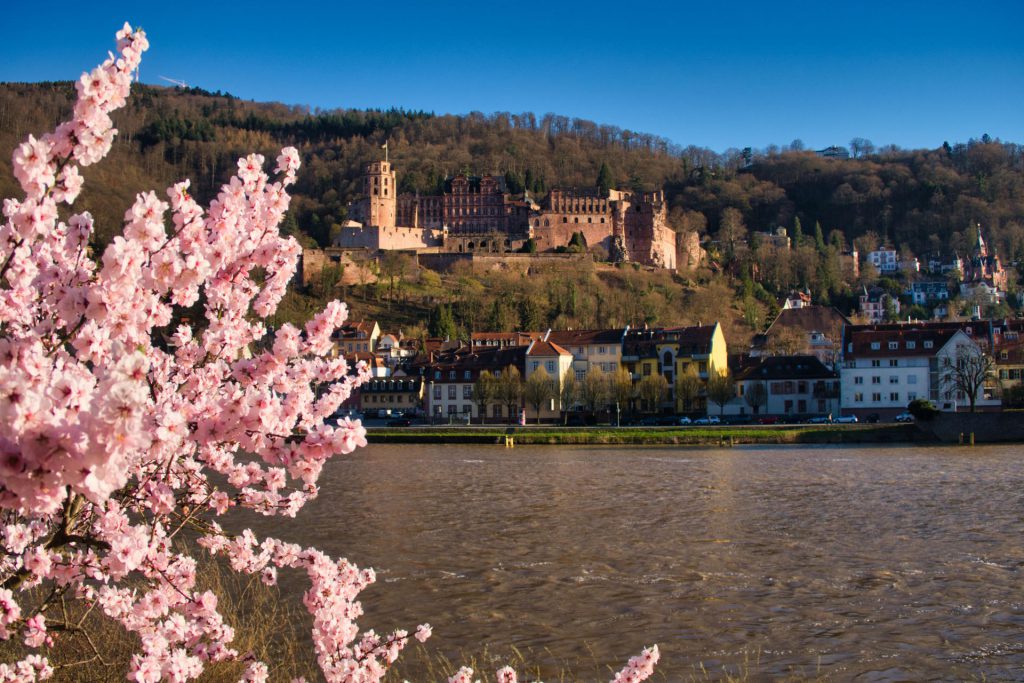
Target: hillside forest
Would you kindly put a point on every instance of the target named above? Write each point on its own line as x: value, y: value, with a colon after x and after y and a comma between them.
x: 922, y: 202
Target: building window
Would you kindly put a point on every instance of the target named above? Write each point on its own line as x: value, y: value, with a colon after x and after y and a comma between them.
x: 893, y: 363
x: 894, y: 379
x: 550, y: 366
x: 536, y: 364
x: 467, y: 391
x: 581, y: 375
x: 467, y: 375
x: 928, y: 344
x: 451, y: 392
x: 451, y: 374
x: 911, y: 345
x: 876, y: 379
x: 912, y: 396
x: 858, y: 380
x: 894, y: 345
x: 437, y: 392
x: 451, y: 409
x: 858, y: 397
x: 876, y: 397
x: 894, y: 396
x: 875, y: 346
x: 876, y: 363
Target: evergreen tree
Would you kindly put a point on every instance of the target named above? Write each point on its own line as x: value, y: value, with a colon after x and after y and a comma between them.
x: 605, y: 181
x: 798, y: 232
x: 442, y: 323
x: 819, y: 238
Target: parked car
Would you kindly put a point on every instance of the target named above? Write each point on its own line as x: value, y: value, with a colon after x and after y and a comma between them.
x: 768, y: 420
x: 737, y: 420
x: 819, y: 420
x: 709, y: 420
x: 845, y: 419
x: 872, y: 418
x: 904, y: 417
x: 400, y: 422
x: 683, y: 421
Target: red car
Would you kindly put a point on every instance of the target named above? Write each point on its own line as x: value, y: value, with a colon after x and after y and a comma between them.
x: 768, y: 420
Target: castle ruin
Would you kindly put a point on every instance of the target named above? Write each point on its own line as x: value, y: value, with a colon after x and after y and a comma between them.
x: 479, y: 214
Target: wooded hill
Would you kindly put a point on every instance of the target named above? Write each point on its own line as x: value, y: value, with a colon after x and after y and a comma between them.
x: 921, y: 200
x: 917, y: 198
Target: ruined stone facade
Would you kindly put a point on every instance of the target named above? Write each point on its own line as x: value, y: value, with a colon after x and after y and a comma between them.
x: 479, y: 214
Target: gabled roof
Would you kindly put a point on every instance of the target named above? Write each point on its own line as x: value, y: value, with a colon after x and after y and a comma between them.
x: 474, y: 360
x: 546, y: 348
x: 352, y: 330
x: 785, y: 368
x: 585, y: 337
x: 809, y: 319
x: 908, y: 339
x: 504, y: 338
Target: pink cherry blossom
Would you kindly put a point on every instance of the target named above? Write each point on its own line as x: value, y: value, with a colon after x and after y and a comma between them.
x: 113, y: 436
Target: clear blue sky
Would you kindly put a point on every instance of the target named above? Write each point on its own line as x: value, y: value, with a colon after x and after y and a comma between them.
x: 711, y: 74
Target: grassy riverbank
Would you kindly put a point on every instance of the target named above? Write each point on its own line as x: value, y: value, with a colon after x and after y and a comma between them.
x: 717, y: 436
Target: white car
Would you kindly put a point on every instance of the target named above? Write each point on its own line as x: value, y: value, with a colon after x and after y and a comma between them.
x: 709, y: 420
x: 684, y: 421
x: 904, y: 417
x: 845, y: 419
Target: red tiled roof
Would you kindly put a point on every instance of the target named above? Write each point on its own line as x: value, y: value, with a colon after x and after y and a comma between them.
x: 584, y: 337
x: 822, y: 319
x: 546, y: 348
x: 909, y: 342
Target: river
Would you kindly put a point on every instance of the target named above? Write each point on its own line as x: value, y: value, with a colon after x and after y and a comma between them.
x: 851, y: 563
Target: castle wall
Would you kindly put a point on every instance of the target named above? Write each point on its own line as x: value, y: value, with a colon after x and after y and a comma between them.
x: 522, y: 263
x: 552, y: 230
x: 374, y: 239
x: 354, y: 270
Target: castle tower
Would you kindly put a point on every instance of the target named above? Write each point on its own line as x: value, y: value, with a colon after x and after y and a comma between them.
x: 380, y: 189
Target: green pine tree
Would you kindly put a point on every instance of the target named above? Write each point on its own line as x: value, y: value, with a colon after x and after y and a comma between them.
x: 605, y: 181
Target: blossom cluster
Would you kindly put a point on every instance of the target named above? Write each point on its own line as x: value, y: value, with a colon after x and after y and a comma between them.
x: 126, y: 419
x: 639, y: 668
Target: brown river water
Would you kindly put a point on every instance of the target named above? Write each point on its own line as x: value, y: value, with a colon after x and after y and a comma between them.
x: 844, y: 563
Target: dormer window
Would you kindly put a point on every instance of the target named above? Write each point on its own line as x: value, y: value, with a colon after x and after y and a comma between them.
x: 875, y: 346
x: 928, y: 343
x: 894, y: 345
x: 911, y: 345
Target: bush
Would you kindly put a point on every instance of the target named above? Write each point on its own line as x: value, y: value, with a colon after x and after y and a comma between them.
x: 922, y: 409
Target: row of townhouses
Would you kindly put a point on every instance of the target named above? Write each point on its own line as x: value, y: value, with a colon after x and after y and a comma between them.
x: 811, y: 361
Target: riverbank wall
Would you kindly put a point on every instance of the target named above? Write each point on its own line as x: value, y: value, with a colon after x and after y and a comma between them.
x: 712, y: 436
x: 1004, y: 427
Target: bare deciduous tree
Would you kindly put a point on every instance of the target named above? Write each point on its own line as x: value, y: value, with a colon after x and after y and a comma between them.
x: 967, y: 372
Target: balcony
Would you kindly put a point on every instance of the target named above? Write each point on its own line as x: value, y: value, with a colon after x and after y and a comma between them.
x: 824, y: 391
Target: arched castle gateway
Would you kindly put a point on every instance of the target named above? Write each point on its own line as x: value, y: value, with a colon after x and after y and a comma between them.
x: 480, y: 215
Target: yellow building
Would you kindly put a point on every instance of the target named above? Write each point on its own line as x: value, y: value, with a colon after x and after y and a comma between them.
x: 674, y: 352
